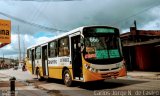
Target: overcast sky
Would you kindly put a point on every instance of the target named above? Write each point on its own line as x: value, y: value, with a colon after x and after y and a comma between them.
x: 39, y: 20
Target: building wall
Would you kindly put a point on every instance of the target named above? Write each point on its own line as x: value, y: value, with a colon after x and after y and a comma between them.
x: 142, y: 49
x: 156, y: 59
x: 142, y: 57
x: 7, y: 61
x: 130, y: 58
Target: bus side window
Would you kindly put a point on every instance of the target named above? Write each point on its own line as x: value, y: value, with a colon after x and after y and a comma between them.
x: 38, y: 52
x: 52, y: 49
x: 64, y: 47
x: 29, y: 55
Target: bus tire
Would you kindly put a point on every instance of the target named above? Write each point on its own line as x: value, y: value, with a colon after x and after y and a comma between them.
x: 67, y: 78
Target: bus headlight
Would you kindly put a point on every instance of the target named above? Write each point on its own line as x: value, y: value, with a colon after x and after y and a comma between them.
x: 87, y: 66
x: 90, y: 68
x: 121, y: 65
x: 118, y: 65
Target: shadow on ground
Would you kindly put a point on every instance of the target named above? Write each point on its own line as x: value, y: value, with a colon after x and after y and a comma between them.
x: 109, y: 84
x: 99, y: 85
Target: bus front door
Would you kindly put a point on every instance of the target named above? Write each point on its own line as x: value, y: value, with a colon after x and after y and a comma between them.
x: 76, y: 57
x: 44, y: 61
x: 33, y: 61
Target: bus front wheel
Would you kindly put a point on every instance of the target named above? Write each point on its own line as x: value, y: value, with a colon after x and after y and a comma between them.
x: 67, y: 78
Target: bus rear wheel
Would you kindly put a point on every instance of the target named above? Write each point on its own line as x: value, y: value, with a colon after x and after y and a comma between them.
x: 67, y: 78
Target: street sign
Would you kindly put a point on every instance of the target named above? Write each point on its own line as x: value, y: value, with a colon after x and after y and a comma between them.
x: 5, y: 31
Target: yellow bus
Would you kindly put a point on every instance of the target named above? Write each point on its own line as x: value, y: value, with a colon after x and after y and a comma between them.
x: 84, y: 54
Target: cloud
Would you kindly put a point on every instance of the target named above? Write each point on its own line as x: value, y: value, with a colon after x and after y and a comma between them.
x: 41, y: 40
x: 73, y: 14
x: 152, y: 25
x: 69, y: 15
x: 12, y: 50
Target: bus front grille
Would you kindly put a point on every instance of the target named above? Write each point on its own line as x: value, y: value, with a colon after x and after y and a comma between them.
x: 103, y: 69
x: 112, y: 74
x: 108, y: 69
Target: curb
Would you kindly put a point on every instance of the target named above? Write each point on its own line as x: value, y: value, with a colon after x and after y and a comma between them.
x: 145, y: 77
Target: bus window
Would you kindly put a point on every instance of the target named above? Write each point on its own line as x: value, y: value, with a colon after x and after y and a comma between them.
x: 38, y: 52
x: 63, y: 46
x: 52, y: 49
x: 30, y: 54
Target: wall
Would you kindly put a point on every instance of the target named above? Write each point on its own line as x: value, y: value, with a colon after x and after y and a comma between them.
x: 142, y: 57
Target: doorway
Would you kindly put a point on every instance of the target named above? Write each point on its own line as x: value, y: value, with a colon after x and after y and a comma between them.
x: 33, y: 60
x: 45, y: 61
x: 76, y: 56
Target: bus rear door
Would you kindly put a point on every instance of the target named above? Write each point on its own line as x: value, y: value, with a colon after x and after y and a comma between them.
x: 33, y: 60
x: 45, y: 61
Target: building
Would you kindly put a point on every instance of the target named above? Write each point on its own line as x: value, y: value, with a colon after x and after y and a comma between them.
x: 141, y: 49
x: 7, y: 63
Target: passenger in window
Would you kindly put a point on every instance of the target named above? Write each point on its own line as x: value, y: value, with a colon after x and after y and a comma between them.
x: 66, y: 51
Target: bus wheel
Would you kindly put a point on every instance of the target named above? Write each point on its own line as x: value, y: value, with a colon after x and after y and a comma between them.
x: 67, y: 78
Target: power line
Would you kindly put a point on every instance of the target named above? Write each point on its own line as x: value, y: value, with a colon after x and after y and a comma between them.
x: 33, y: 24
x: 45, y: 0
x: 146, y: 9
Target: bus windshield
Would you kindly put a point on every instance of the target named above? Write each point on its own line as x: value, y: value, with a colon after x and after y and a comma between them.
x: 102, y: 49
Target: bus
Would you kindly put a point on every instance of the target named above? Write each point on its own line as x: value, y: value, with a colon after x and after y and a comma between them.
x: 88, y: 53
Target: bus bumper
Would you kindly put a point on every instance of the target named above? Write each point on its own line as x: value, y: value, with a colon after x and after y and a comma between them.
x: 93, y: 76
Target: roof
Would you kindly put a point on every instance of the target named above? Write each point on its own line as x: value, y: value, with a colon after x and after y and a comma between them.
x: 154, y: 41
x: 140, y: 37
x: 149, y: 32
x: 143, y: 32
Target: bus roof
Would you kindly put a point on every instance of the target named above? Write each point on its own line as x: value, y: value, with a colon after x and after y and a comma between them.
x: 56, y: 37
x: 64, y: 34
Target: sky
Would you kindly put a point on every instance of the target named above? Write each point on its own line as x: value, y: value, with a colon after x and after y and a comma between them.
x: 40, y: 20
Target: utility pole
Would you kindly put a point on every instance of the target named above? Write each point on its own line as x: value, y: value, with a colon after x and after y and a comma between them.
x: 3, y: 59
x: 3, y: 62
x: 19, y: 45
x: 135, y: 24
x: 24, y: 48
x: 137, y: 32
x: 10, y: 63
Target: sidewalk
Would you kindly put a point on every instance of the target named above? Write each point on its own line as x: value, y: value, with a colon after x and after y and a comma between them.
x: 4, y: 77
x: 21, y: 88
x: 144, y: 75
x: 5, y: 82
